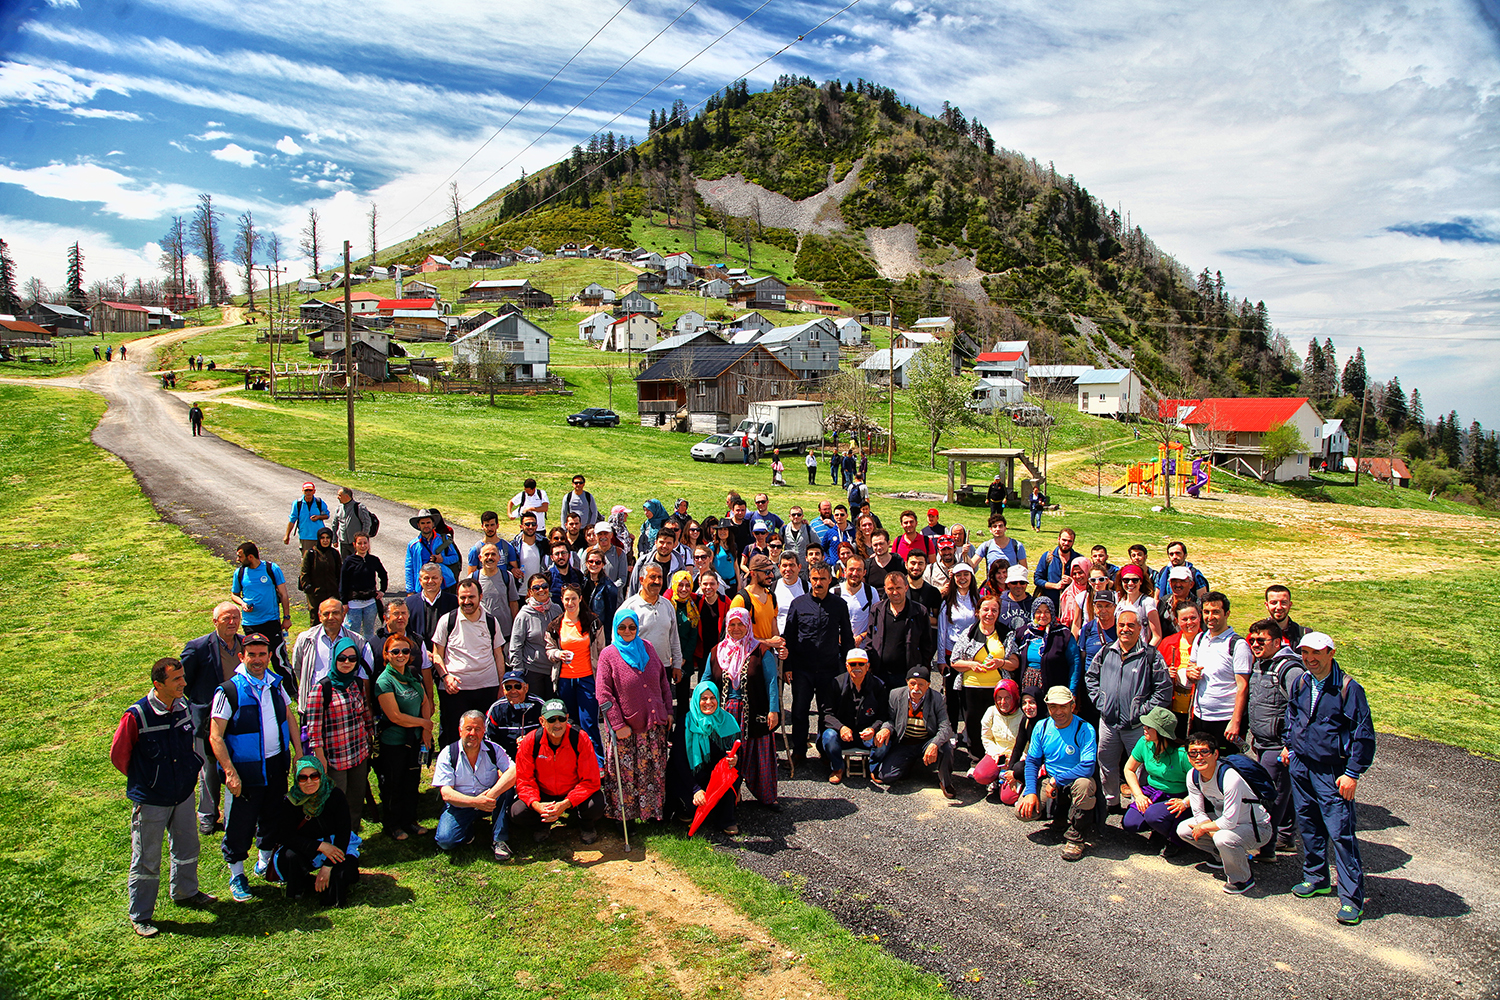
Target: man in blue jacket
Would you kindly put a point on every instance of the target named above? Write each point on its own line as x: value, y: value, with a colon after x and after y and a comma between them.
x: 1069, y: 748
x: 432, y: 545
x: 1330, y: 742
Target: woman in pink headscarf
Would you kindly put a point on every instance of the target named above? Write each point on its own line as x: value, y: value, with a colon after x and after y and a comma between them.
x: 1076, y: 603
x: 750, y: 691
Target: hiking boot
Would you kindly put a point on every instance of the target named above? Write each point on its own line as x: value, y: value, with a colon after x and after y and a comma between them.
x: 1350, y: 916
x: 1266, y: 855
x: 542, y: 834
x: 1072, y: 850
x: 1214, y: 863
x: 502, y: 851
x: 1306, y: 890
x: 588, y: 834
x: 949, y: 793
x: 1235, y: 888
x: 1172, y: 850
x: 149, y: 930
x: 206, y: 827
x: 239, y: 889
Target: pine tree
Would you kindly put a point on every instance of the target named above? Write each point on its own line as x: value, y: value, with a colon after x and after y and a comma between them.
x: 1474, y: 452
x: 1330, y: 370
x: 1414, y: 411
x: 1356, y: 381
x: 10, y: 302
x: 1450, y: 443
x: 74, y: 295
x: 1394, y: 409
x: 1312, y: 370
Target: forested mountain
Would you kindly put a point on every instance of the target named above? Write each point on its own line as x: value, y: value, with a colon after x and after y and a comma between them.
x: 1007, y: 245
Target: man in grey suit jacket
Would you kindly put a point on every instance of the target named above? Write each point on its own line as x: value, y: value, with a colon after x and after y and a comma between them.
x: 917, y: 730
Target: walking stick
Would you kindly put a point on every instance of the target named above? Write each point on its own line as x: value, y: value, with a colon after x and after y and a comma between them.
x: 619, y: 781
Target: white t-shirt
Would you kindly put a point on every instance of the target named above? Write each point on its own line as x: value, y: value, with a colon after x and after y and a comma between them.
x: 522, y: 502
x: 859, y: 604
x: 1214, y: 697
x: 469, y: 653
x: 1142, y: 608
x: 784, y: 597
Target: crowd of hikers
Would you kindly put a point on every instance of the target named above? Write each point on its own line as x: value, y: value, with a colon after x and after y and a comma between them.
x: 562, y: 676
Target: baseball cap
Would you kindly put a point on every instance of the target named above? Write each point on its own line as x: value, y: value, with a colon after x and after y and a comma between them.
x: 309, y: 486
x: 1316, y: 640
x: 1058, y: 695
x: 932, y: 511
x: 619, y: 508
x: 1016, y: 574
x: 919, y: 674
x: 760, y: 526
x: 945, y: 541
x: 856, y: 656
x: 255, y: 639
x: 604, y: 526
x: 516, y: 675
x: 1104, y: 597
x: 1180, y: 573
x: 555, y: 709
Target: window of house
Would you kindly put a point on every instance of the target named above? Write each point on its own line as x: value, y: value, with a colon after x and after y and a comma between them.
x: 775, y: 388
x: 741, y: 387
x: 804, y: 355
x: 702, y: 389
x: 1101, y: 397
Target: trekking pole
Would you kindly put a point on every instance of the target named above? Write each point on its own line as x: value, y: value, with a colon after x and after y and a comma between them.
x: 619, y: 781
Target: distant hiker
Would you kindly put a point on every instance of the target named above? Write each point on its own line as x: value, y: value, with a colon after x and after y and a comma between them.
x: 531, y: 499
x: 195, y: 419
x: 995, y: 496
x: 109, y: 352
x: 96, y: 352
x: 122, y: 352
x: 153, y: 748
x: 812, y: 460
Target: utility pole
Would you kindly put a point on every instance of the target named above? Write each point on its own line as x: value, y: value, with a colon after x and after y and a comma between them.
x: 272, y: 300
x: 890, y: 326
x: 349, y: 355
x: 1359, y: 443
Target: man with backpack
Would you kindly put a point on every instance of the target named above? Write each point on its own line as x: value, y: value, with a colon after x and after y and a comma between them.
x: 1219, y: 670
x: 433, y: 544
x: 1229, y: 819
x: 259, y: 588
x: 308, y: 515
x: 1276, y: 668
x: 1330, y: 742
x: 468, y: 658
x: 473, y: 775
x: 557, y: 772
x: 352, y: 518
x: 1052, y: 569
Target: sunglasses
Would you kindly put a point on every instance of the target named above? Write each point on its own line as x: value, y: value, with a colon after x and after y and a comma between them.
x: 514, y: 687
x: 396, y: 652
x: 347, y: 659
x: 538, y: 586
x: 625, y: 627
x: 309, y: 776
x: 1201, y: 752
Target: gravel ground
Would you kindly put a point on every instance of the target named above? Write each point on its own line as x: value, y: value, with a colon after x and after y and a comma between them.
x: 966, y: 890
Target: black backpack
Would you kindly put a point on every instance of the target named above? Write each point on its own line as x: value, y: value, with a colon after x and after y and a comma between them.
x: 374, y: 521
x: 536, y: 744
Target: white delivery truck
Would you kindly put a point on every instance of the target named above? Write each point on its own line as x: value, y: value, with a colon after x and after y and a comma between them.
x: 791, y: 425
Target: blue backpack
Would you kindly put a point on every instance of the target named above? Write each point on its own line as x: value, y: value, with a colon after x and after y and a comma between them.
x: 1254, y: 775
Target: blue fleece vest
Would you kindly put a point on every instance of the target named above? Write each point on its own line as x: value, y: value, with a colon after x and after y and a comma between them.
x: 242, y: 734
x: 164, y: 766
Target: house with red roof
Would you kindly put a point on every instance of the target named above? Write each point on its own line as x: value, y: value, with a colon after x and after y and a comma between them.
x: 1382, y: 470
x: 1001, y: 364
x: 1232, y: 433
x: 120, y: 317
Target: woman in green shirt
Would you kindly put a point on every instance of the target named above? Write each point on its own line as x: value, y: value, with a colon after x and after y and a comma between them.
x: 1158, y: 799
x: 405, y: 727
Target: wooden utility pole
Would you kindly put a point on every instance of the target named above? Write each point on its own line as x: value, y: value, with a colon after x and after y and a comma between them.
x: 1359, y: 442
x: 890, y: 435
x: 349, y: 355
x: 272, y: 308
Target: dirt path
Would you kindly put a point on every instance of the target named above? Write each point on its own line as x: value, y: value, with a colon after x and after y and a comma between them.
x: 218, y: 493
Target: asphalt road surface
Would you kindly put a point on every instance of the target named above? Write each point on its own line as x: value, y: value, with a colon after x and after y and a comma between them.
x: 964, y: 889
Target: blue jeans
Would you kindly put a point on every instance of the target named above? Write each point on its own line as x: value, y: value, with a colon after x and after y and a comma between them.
x: 1036, y: 520
x: 456, y: 822
x: 833, y: 747
x: 577, y: 693
x: 364, y: 621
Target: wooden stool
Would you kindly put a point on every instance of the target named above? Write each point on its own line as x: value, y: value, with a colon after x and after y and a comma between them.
x: 857, y: 762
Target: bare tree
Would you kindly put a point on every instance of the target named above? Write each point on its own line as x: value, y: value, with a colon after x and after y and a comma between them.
x: 35, y: 290
x: 1098, y: 452
x: 204, y: 240
x: 174, y: 247
x: 312, y: 240
x: 937, y: 395
x: 246, y: 242
x: 458, y: 227
x: 374, y: 245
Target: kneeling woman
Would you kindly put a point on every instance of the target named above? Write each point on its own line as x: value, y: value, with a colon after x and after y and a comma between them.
x: 1159, y: 799
x: 313, y: 845
x: 711, y: 734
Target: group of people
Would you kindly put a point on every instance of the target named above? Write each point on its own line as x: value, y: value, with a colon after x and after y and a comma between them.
x: 587, y: 672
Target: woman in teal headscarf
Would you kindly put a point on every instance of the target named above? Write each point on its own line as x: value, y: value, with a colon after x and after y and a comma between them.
x: 340, y: 726
x: 313, y: 847
x: 711, y: 734
x: 631, y: 679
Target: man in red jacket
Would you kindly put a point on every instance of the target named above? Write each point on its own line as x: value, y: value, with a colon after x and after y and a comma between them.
x: 557, y: 772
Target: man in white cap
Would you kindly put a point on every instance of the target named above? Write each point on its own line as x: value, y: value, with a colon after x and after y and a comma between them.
x: 860, y: 706
x: 308, y: 515
x: 1330, y: 742
x: 616, y: 559
x: 1068, y: 747
x: 1015, y: 604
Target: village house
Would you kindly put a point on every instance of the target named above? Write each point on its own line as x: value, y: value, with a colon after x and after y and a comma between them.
x: 519, y: 290
x: 631, y: 332
x: 714, y: 383
x: 851, y: 332
x: 690, y: 321
x: 491, y: 260
x: 716, y: 288
x: 21, y: 339
x: 434, y: 262
x: 635, y: 302
x: 511, y: 340
x: 768, y: 292
x: 995, y: 392
x: 1055, y: 380
x: 650, y: 281
x: 916, y: 339
x: 595, y: 328
x: 58, y: 319
x: 120, y: 317
x: 1009, y: 359
x: 748, y: 321
x: 595, y: 294
x: 809, y: 349
x: 1232, y: 433
x: 877, y: 367
x: 938, y: 325
x: 1335, y: 444
x: 1111, y: 392
x: 676, y: 276
x: 663, y: 347
x: 309, y: 285
x: 1382, y: 470
x: 874, y: 318
x: 372, y: 348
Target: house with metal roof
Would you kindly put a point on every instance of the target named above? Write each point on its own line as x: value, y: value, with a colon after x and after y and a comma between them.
x: 631, y: 332
x: 1232, y: 433
x: 809, y: 349
x: 511, y: 340
x: 58, y: 319
x: 878, y: 366
x: 635, y: 302
x: 711, y: 386
x: 519, y: 290
x: 1110, y: 392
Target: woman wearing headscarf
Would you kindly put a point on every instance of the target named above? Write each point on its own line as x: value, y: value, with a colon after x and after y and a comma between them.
x: 633, y: 681
x: 574, y: 641
x: 998, y: 731
x: 1044, y: 653
x: 685, y: 605
x: 623, y: 538
x: 1013, y: 775
x: 322, y: 572
x: 406, y: 708
x: 1076, y: 602
x: 654, y: 515
x: 750, y: 691
x: 313, y: 847
x: 711, y: 732
x: 340, y: 727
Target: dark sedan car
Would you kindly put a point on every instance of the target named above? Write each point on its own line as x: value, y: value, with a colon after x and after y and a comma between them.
x: 594, y: 417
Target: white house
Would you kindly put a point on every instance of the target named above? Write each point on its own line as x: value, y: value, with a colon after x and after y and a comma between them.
x: 851, y: 334
x: 934, y: 324
x: 462, y: 262
x: 650, y: 260
x: 690, y: 322
x: 1001, y: 364
x: 716, y: 288
x: 681, y: 259
x: 1232, y: 433
x: 913, y: 338
x: 993, y: 393
x: 749, y: 321
x: 511, y: 339
x: 596, y: 327
x: 877, y: 368
x: 631, y: 332
x: 309, y: 285
x: 1335, y: 443
x: 1111, y: 392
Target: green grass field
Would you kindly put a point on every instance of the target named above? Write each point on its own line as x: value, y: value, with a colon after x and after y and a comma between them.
x: 94, y: 588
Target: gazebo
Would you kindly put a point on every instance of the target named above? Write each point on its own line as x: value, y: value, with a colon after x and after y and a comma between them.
x: 1005, y: 456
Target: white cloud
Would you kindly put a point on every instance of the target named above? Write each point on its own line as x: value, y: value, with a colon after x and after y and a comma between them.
x: 235, y: 153
x: 289, y: 146
x: 124, y: 116
x: 40, y: 249
x: 212, y: 135
x: 62, y: 3
x: 119, y: 193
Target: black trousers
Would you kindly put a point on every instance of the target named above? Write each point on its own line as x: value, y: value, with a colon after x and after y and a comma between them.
x: 806, y: 687
x: 296, y: 870
x: 523, y: 817
x: 400, y: 773
x: 245, y: 813
x: 976, y: 702
x: 894, y: 761
x: 451, y: 708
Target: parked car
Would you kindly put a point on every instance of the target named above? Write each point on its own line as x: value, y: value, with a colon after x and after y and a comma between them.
x: 719, y: 448
x: 1029, y: 415
x: 594, y: 416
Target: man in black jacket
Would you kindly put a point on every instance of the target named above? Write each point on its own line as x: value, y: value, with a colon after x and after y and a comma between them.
x: 207, y: 662
x: 427, y: 606
x: 900, y: 633
x: 817, y: 635
x: 860, y: 707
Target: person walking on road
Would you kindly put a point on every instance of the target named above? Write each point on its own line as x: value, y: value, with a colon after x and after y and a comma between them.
x: 195, y: 416
x: 308, y: 515
x: 260, y: 588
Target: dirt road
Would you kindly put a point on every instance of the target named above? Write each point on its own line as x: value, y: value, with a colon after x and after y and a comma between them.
x: 218, y: 493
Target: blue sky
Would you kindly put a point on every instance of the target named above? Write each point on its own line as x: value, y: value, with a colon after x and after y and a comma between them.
x: 1337, y: 160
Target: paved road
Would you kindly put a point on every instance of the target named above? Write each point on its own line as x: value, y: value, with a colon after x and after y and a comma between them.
x: 963, y: 888
x: 218, y: 493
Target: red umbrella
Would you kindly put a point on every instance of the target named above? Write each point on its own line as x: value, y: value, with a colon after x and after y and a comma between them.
x: 720, y: 781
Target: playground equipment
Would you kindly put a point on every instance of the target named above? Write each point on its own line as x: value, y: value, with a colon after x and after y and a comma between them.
x: 1188, y: 477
